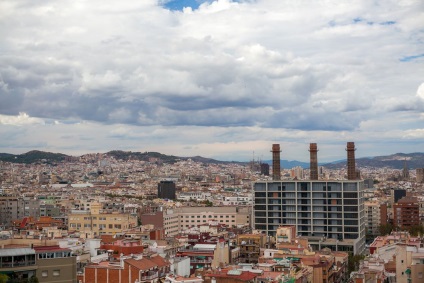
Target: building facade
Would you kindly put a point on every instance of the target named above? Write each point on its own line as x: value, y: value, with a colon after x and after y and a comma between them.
x: 375, y: 215
x: 97, y: 222
x: 166, y: 190
x: 176, y: 220
x: 406, y: 213
x: 322, y: 211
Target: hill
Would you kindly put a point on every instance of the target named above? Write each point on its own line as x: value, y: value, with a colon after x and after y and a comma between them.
x: 130, y: 155
x: 33, y: 156
x: 396, y: 161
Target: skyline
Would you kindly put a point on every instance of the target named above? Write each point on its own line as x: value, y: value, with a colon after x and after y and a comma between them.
x: 219, y: 79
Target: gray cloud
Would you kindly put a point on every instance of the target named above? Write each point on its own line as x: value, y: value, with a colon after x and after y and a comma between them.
x: 301, y: 66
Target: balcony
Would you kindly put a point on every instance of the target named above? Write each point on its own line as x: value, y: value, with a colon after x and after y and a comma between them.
x: 205, y: 261
x: 17, y: 264
x: 151, y: 275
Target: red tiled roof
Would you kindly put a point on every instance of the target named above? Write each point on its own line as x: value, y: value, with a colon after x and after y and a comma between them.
x: 142, y: 264
x: 160, y: 261
x: 244, y: 276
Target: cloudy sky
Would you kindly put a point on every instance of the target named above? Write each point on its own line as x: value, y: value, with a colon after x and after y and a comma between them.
x: 222, y: 79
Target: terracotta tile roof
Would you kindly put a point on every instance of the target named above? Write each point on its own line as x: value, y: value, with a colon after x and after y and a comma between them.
x: 142, y: 264
x: 244, y: 276
x: 160, y: 261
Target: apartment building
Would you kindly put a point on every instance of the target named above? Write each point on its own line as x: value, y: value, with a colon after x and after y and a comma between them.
x: 98, y: 222
x: 326, y: 212
x: 55, y: 264
x: 229, y: 215
x: 128, y: 269
x: 14, y: 207
x: 48, y: 263
x: 18, y: 263
x: 176, y: 220
x: 375, y: 215
x: 406, y: 213
x: 187, y: 196
x: 250, y: 247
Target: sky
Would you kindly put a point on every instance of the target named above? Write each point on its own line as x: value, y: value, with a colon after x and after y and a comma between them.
x: 221, y: 79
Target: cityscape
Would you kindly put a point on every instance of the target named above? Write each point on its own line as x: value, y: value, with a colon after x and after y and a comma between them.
x: 99, y: 218
x: 211, y: 141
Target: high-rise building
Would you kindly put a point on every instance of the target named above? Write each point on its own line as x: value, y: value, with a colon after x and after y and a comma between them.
x: 166, y: 189
x: 328, y: 213
x: 265, y: 169
x: 397, y: 194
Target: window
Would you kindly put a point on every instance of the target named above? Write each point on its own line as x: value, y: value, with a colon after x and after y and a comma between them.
x: 44, y: 273
x: 56, y: 272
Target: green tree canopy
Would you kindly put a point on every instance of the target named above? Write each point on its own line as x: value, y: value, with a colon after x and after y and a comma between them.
x: 3, y: 278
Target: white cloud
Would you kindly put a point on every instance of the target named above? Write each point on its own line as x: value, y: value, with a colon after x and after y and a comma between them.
x: 299, y: 69
x: 22, y: 119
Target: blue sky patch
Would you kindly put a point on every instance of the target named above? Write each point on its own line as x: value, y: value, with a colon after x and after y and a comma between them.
x: 358, y: 20
x: 411, y: 58
x: 179, y: 5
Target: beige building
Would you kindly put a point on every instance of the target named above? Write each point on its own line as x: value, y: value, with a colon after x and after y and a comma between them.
x: 97, y: 222
x: 177, y: 220
x: 229, y: 215
x: 375, y: 215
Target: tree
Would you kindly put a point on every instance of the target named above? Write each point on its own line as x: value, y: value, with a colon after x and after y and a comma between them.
x: 416, y: 230
x: 33, y: 279
x: 385, y: 229
x: 3, y: 278
x: 353, y: 262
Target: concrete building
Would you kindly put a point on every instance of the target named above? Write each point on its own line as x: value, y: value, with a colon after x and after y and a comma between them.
x: 166, y: 190
x: 328, y: 213
x: 96, y: 222
x: 175, y: 220
x: 229, y: 215
x: 250, y: 247
x: 188, y: 196
x: 55, y: 264
x: 206, y: 255
x: 406, y: 213
x: 18, y: 263
x: 375, y: 215
x: 11, y: 208
x: 136, y: 268
x: 397, y: 194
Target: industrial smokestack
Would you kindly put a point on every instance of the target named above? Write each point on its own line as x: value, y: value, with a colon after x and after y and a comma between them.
x: 313, y: 149
x: 351, y: 170
x: 276, y: 170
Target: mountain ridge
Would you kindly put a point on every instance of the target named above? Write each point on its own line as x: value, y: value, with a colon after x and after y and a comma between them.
x: 396, y: 161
